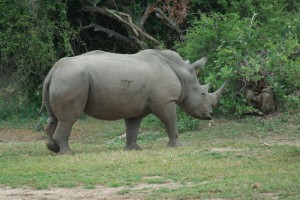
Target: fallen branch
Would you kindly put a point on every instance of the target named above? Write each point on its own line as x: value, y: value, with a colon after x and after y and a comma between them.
x: 113, y: 34
x: 168, y: 21
x: 146, y: 15
x: 128, y: 22
x: 160, y: 15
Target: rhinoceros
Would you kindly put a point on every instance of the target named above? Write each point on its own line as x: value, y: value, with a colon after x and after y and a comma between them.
x: 111, y: 86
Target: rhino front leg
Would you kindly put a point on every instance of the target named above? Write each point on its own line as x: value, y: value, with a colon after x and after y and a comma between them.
x: 167, y: 115
x: 132, y: 130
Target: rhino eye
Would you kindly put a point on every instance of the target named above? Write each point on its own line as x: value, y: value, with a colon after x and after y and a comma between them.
x: 203, y: 94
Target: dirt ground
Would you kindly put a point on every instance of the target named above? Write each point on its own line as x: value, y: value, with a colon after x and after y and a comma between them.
x: 20, y: 135
x: 79, y: 193
x: 60, y: 193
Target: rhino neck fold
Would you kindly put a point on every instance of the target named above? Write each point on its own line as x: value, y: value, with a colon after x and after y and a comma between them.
x: 182, y: 93
x: 176, y: 63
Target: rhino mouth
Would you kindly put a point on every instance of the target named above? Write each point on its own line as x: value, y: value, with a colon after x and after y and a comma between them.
x: 203, y: 116
x: 206, y: 118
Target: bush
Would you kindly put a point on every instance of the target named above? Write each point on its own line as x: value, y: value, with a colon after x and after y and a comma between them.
x: 33, y: 35
x: 248, y: 51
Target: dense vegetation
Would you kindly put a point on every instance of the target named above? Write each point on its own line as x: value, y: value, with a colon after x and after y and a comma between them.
x: 252, y: 44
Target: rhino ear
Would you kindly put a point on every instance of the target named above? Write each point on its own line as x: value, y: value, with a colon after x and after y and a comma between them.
x: 199, y: 63
x: 187, y: 62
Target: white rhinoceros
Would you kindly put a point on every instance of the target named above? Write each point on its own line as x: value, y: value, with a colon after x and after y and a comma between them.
x: 112, y: 86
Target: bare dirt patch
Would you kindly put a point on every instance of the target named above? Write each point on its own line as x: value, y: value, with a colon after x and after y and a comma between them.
x: 280, y: 140
x: 20, y: 135
x: 28, y: 135
x: 78, y: 193
x: 100, y: 192
x: 225, y: 149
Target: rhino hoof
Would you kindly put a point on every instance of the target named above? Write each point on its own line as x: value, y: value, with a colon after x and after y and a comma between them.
x: 68, y: 152
x: 175, y: 143
x: 53, y: 147
x: 132, y: 147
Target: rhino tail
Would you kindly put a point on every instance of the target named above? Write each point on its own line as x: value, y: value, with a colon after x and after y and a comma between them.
x: 45, y: 97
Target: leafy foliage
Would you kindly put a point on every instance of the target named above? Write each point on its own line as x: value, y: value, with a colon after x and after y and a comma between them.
x: 247, y: 45
x: 34, y: 34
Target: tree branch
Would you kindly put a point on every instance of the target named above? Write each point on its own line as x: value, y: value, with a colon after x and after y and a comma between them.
x: 123, y: 18
x: 114, y: 34
x: 145, y: 16
x: 160, y: 15
x: 167, y: 20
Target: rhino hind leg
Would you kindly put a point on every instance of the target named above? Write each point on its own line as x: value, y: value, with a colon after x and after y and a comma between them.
x: 132, y: 130
x: 50, y: 129
x: 61, y: 136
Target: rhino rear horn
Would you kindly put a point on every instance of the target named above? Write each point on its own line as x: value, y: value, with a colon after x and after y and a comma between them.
x: 187, y: 62
x: 206, y: 86
x: 199, y: 63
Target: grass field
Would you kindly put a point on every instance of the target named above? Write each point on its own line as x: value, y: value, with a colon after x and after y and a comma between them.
x: 249, y: 158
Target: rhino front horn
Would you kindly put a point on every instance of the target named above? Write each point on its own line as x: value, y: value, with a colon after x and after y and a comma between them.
x: 220, y: 90
x: 214, y: 97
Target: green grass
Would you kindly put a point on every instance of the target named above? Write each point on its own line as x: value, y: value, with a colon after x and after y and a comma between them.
x: 250, y: 158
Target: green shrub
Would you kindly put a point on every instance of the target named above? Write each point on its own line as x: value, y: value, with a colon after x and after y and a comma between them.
x: 247, y: 50
x: 34, y: 34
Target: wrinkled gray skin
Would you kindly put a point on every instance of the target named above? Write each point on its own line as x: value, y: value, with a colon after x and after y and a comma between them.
x: 113, y: 86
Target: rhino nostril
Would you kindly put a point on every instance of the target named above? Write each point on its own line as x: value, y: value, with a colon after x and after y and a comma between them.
x: 211, y: 113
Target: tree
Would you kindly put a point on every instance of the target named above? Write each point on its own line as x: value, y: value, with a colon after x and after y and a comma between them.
x: 123, y: 23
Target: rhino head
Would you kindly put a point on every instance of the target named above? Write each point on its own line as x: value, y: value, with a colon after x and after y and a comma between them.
x: 197, y: 102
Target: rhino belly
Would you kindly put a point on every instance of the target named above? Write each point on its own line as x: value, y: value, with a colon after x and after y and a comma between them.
x: 115, y: 110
